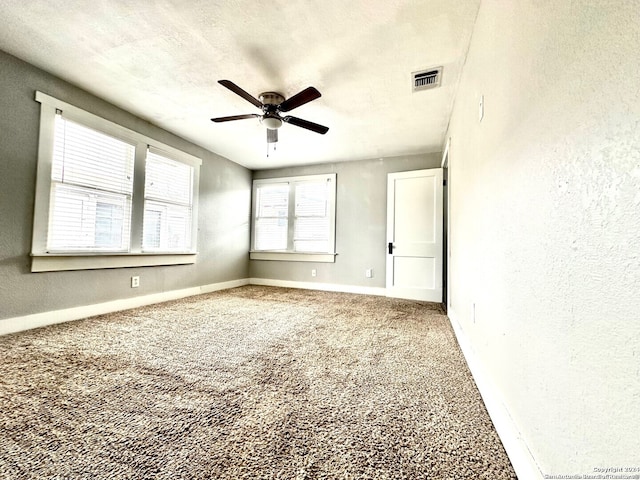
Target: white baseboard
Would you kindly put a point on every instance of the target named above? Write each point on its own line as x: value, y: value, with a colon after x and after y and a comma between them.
x: 328, y: 287
x: 516, y: 447
x: 27, y: 322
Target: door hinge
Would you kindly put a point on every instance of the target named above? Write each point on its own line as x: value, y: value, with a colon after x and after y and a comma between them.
x: 444, y: 183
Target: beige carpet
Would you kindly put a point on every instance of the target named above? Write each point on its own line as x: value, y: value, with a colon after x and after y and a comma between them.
x: 248, y: 383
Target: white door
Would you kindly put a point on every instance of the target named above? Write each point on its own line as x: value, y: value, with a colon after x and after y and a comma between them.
x: 414, y: 235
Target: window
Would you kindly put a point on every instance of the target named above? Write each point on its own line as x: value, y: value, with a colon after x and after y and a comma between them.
x: 167, y: 204
x: 294, y: 218
x: 91, y: 190
x: 272, y: 221
x: 109, y: 197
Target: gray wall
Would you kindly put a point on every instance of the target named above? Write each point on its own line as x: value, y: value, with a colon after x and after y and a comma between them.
x: 225, y: 190
x: 361, y: 216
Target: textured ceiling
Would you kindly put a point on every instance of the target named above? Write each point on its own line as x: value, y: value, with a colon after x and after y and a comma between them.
x: 161, y: 61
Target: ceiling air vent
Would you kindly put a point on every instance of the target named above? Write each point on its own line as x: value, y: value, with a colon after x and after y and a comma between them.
x: 426, y: 79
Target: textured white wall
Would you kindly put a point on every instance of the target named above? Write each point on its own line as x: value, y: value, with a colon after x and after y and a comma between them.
x: 546, y: 223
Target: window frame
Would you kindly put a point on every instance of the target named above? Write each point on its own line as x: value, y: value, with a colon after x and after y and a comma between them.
x: 290, y: 254
x: 42, y: 260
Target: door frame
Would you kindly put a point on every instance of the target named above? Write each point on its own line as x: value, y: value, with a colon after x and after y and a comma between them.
x: 446, y: 215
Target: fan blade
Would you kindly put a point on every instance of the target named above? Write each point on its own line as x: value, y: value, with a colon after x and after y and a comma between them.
x: 235, y: 117
x: 238, y: 91
x: 272, y: 135
x: 300, y: 98
x: 298, y: 122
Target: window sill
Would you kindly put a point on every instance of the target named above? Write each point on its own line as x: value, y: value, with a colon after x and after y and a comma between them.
x: 294, y: 256
x: 56, y: 263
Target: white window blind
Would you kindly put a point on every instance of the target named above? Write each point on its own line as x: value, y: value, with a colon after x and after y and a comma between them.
x: 168, y: 204
x: 91, y: 189
x: 272, y: 217
x: 295, y: 214
x: 311, y: 231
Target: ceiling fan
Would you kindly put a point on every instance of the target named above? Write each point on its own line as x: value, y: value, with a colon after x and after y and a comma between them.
x: 272, y: 104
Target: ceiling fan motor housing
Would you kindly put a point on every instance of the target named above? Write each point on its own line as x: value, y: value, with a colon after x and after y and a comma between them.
x: 270, y: 102
x: 271, y: 99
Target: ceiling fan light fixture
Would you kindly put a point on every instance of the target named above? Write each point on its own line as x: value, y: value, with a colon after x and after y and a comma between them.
x: 271, y: 122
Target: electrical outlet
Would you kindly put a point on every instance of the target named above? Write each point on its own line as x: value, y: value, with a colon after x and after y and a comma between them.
x: 313, y: 272
x: 135, y: 282
x: 368, y: 273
